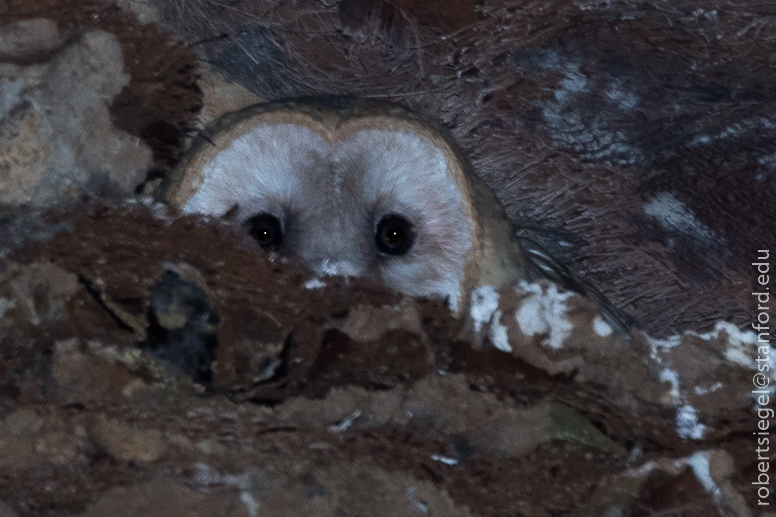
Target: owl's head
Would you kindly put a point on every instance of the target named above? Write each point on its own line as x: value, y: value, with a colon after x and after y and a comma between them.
x: 351, y: 187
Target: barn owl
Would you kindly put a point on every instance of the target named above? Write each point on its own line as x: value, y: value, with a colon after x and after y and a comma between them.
x: 359, y: 188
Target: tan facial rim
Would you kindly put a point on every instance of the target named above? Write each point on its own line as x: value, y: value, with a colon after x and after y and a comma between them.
x: 190, y: 175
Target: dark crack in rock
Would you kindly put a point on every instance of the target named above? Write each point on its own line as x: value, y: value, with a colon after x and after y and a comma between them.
x: 182, y: 326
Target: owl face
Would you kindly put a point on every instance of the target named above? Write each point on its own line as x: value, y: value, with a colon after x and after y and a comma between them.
x: 344, y: 191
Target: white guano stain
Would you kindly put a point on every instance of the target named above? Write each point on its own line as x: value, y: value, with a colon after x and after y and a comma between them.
x: 741, y: 348
x: 701, y: 467
x: 544, y: 313
x: 420, y: 505
x: 497, y: 333
x: 484, y: 304
x: 741, y: 345
x: 484, y: 312
x: 206, y: 476
x: 444, y: 459
x: 672, y: 377
x: 314, y: 283
x: 602, y: 328
x: 346, y: 423
x: 251, y: 504
x: 700, y: 390
x: 687, y: 425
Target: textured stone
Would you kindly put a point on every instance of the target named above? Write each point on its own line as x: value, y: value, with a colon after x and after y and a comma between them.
x: 167, y: 498
x: 27, y: 39
x: 127, y: 443
x: 57, y: 140
x: 6, y: 511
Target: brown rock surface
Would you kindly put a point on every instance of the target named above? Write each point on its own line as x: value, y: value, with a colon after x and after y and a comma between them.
x: 292, y: 405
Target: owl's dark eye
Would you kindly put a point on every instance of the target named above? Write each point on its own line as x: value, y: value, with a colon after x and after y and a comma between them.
x: 265, y: 228
x: 394, y: 235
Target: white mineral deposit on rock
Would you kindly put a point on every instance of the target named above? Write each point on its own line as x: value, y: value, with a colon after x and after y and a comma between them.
x: 602, y: 328
x: 484, y: 303
x: 544, y: 312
